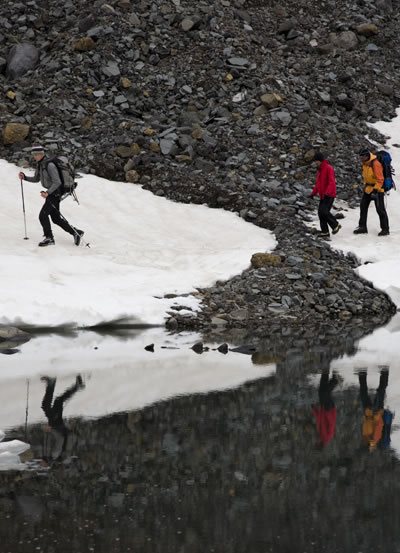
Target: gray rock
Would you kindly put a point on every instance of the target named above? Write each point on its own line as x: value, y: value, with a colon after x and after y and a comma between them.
x: 111, y: 69
x: 239, y: 62
x: 21, y: 59
x: 168, y: 147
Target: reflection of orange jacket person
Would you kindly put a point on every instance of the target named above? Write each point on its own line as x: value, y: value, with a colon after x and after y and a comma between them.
x: 373, y: 410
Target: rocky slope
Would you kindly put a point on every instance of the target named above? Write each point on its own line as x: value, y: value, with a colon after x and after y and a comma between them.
x: 221, y: 103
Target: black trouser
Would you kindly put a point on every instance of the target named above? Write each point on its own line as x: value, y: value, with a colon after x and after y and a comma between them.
x: 379, y: 399
x: 325, y: 390
x: 324, y: 213
x: 51, y: 209
x: 380, y: 209
x: 54, y: 413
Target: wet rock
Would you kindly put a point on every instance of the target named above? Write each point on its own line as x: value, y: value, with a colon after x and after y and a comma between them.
x: 223, y: 348
x: 198, y: 347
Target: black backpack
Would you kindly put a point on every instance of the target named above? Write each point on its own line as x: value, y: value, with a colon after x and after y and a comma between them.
x: 67, y: 176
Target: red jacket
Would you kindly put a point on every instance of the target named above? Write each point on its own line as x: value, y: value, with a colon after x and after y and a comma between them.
x: 326, y: 423
x: 326, y: 183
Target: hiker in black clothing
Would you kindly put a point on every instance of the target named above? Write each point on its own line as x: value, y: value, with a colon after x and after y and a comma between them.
x: 54, y: 412
x: 48, y: 174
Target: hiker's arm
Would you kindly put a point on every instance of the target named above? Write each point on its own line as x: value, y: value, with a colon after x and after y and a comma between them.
x: 35, y: 178
x: 378, y: 172
x: 54, y: 178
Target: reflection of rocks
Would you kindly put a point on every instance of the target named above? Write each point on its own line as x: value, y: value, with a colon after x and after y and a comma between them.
x: 10, y: 337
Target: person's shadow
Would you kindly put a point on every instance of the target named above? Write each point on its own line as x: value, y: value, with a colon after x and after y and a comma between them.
x: 54, y: 415
x: 377, y: 421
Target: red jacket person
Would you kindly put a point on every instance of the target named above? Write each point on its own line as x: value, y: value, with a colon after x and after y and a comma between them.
x: 325, y: 187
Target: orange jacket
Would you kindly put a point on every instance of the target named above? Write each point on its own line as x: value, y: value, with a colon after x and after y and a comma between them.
x: 372, y: 426
x: 372, y: 173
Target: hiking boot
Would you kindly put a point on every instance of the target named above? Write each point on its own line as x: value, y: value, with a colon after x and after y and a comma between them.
x: 79, y: 382
x: 360, y: 230
x: 47, y: 379
x: 336, y: 229
x: 47, y: 242
x: 384, y: 233
x: 77, y: 236
x: 323, y: 234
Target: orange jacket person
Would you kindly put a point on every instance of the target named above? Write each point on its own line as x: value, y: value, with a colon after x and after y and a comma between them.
x: 372, y: 173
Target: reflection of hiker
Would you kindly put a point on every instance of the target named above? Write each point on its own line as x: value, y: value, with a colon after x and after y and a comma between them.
x: 47, y: 173
x: 54, y: 414
x: 376, y: 423
x: 325, y: 411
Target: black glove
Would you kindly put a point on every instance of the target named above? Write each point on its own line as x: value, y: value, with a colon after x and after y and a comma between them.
x: 374, y: 195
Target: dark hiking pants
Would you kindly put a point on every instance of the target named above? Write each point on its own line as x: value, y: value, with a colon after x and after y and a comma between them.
x: 380, y: 209
x: 54, y: 413
x: 51, y: 210
x: 325, y: 390
x: 379, y: 399
x: 324, y: 213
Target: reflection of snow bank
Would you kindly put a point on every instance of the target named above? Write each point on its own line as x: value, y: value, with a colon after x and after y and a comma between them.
x: 142, y: 247
x: 10, y: 452
x: 119, y: 374
x: 382, y: 347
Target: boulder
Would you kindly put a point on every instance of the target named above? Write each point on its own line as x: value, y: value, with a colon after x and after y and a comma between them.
x: 265, y: 260
x: 132, y: 176
x: 21, y: 58
x: 271, y: 100
x: 347, y: 40
x: 367, y: 29
x: 84, y: 44
x: 15, y: 132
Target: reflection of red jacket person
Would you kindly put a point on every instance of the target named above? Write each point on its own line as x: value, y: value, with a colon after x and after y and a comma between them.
x: 326, y: 182
x: 326, y: 423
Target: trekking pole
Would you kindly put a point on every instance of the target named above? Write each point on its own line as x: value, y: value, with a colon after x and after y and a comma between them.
x: 64, y: 219
x: 23, y: 208
x: 27, y: 409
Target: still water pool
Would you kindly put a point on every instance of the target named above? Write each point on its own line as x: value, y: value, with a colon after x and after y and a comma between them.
x: 283, y: 447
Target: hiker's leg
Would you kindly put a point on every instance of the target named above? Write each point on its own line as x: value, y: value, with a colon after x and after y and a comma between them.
x: 364, y: 397
x: 380, y: 392
x: 44, y: 218
x: 56, y: 217
x: 330, y: 219
x: 364, y: 205
x: 323, y: 210
x: 48, y: 396
x: 324, y: 391
x: 58, y: 404
x: 381, y: 210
